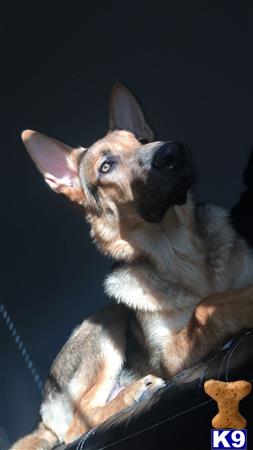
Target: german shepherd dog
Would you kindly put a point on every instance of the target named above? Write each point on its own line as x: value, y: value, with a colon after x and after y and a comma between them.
x: 181, y: 285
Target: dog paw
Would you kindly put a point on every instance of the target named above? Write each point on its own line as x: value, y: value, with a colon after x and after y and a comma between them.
x: 143, y: 389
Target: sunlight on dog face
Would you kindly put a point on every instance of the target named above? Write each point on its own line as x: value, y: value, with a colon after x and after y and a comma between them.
x: 118, y: 170
x: 106, y: 171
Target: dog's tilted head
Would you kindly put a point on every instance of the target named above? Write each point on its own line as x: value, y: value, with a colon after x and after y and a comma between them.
x: 123, y: 179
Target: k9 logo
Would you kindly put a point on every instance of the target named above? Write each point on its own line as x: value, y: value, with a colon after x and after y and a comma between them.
x: 223, y: 439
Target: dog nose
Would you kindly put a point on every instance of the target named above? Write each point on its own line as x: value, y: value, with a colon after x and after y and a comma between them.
x: 170, y: 155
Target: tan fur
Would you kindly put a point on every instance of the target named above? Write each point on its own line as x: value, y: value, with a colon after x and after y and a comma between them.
x: 41, y: 439
x: 178, y: 275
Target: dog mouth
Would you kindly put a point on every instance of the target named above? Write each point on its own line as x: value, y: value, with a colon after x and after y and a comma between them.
x: 158, y: 193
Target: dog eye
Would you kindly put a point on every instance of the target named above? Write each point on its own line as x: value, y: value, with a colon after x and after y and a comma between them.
x: 105, y: 167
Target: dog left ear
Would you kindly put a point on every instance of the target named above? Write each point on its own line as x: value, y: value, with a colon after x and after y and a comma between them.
x: 126, y: 114
x: 57, y: 162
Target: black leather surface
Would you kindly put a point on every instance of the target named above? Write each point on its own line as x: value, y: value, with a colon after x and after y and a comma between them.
x: 179, y: 415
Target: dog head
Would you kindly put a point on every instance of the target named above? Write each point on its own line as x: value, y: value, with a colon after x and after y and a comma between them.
x: 123, y: 179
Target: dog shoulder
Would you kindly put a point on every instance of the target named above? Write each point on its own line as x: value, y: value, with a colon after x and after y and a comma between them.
x: 228, y: 253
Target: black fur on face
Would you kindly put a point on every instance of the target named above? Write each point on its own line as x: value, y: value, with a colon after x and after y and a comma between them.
x: 161, y: 186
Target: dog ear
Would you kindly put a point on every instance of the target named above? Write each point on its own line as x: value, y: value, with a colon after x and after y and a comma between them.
x: 57, y: 162
x: 125, y: 113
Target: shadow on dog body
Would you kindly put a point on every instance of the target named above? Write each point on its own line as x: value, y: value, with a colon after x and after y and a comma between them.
x: 182, y: 283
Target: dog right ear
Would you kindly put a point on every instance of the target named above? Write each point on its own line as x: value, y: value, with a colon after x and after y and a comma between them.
x: 126, y: 114
x: 57, y: 162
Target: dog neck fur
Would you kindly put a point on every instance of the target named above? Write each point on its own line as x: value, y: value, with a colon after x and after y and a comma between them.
x: 120, y: 235
x: 168, y: 251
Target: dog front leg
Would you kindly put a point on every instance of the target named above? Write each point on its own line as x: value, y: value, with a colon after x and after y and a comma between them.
x: 95, y: 416
x: 215, y: 318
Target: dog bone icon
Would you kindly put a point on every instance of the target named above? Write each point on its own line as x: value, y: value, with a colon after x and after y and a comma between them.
x: 228, y: 396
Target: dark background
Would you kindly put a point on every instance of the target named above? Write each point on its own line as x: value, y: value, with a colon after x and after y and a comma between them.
x: 189, y: 64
